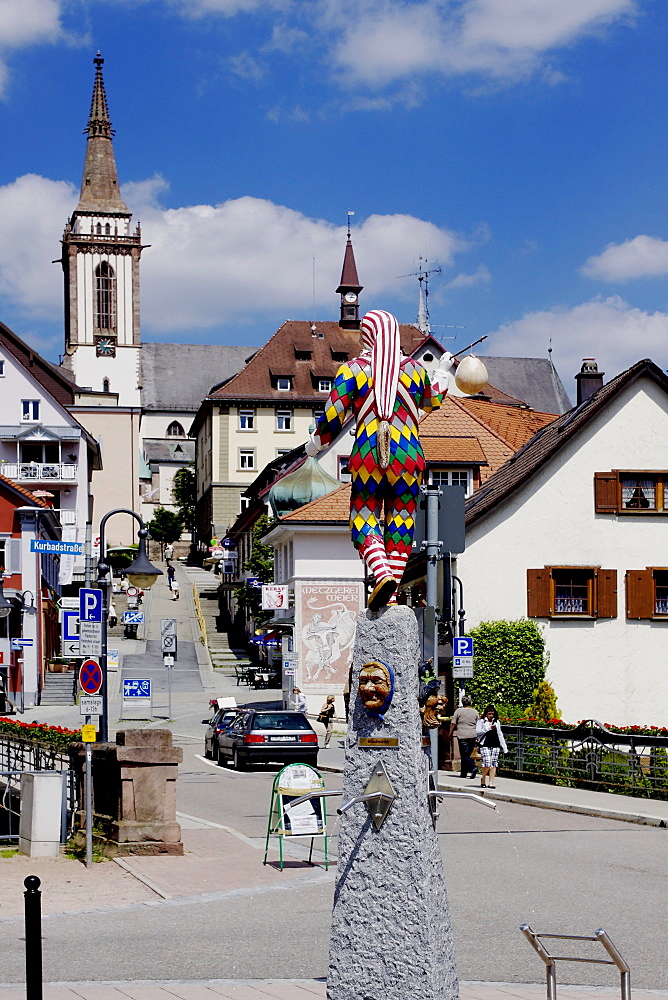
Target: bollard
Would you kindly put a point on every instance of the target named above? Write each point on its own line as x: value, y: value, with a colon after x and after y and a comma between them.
x: 33, y: 928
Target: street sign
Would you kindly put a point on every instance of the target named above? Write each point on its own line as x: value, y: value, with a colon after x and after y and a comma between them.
x: 168, y: 626
x: 90, y: 676
x: 90, y: 638
x: 88, y: 734
x: 71, y: 603
x: 253, y: 581
x: 56, y: 548
x: 168, y: 644
x: 462, y: 659
x: 90, y: 705
x: 133, y: 617
x: 113, y: 659
x: 168, y: 661
x: 460, y: 673
x: 229, y: 544
x: 274, y: 596
x: 137, y: 687
x: 20, y: 643
x: 90, y: 605
x: 462, y: 645
x: 69, y: 633
x: 132, y: 592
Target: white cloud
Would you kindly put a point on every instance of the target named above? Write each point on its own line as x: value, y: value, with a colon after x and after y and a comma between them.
x: 382, y: 41
x: 27, y: 22
x: 33, y: 213
x: 641, y: 257
x: 479, y: 277
x: 608, y: 329
x: 214, y: 265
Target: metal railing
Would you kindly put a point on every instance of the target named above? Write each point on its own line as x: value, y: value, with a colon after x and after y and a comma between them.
x: 200, y: 616
x: 18, y: 757
x: 588, y: 756
x: 40, y: 471
x: 601, y: 936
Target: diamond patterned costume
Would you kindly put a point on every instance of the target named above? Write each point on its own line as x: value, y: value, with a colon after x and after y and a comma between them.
x: 385, y: 487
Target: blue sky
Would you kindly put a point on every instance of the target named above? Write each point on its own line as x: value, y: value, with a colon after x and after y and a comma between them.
x: 520, y: 143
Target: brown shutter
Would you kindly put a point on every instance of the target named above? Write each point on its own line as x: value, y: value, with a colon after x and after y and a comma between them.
x: 538, y: 593
x: 606, y: 492
x: 639, y: 593
x: 606, y: 606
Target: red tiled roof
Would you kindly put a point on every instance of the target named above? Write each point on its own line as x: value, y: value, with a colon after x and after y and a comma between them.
x: 453, y: 449
x: 454, y: 419
x: 279, y: 357
x: 516, y: 425
x: 24, y: 492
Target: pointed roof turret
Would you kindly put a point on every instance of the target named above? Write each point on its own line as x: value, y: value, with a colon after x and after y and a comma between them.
x: 349, y: 280
x: 99, y: 187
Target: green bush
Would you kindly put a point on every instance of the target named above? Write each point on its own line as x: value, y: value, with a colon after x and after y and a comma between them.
x: 510, y: 663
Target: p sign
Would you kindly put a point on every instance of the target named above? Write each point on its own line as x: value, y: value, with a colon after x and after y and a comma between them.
x: 90, y: 605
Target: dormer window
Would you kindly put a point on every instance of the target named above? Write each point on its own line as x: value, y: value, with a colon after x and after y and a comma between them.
x: 339, y: 356
x: 175, y: 429
x: 284, y: 383
x: 324, y: 385
x: 303, y: 355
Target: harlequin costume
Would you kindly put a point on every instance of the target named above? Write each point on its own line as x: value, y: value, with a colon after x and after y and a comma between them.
x: 384, y: 392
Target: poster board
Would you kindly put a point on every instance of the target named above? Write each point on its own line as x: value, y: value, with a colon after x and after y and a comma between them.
x: 308, y: 819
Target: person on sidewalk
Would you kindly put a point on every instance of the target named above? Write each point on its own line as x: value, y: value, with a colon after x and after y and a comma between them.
x: 171, y: 575
x: 175, y: 590
x: 299, y: 700
x: 491, y: 742
x: 326, y: 718
x: 463, y: 726
x: 169, y: 552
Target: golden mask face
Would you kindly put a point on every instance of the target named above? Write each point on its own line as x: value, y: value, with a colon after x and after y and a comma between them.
x: 374, y: 685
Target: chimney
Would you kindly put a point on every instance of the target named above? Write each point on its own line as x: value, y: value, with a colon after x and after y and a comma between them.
x: 589, y: 379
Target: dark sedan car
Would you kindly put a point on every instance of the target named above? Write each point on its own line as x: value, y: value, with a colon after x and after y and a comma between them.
x: 268, y: 737
x: 222, y: 719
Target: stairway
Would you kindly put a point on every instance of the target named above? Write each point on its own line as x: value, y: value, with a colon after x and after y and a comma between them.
x: 57, y: 689
x: 223, y: 655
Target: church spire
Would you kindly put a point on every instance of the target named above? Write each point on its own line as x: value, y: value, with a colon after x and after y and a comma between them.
x: 99, y: 187
x: 349, y: 287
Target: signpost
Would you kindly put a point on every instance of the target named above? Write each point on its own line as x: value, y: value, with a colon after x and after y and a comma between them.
x: 168, y: 660
x: 88, y: 737
x: 133, y: 617
x: 90, y: 705
x: 90, y: 622
x: 462, y: 660
x: 168, y: 636
x: 20, y: 643
x: 90, y: 677
x: 137, y: 697
x: 56, y: 548
x: 69, y: 635
x: 274, y: 596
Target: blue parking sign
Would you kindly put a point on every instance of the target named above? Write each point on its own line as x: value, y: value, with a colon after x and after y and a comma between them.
x: 137, y: 687
x: 90, y: 605
x: 462, y: 646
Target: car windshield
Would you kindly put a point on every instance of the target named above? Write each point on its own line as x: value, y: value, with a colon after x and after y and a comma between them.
x: 280, y: 720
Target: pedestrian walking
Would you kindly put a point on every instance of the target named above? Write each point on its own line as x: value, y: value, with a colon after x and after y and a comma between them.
x: 169, y: 552
x: 463, y: 726
x: 175, y: 590
x: 326, y: 717
x: 299, y: 700
x: 112, y: 617
x: 491, y: 742
x: 171, y: 574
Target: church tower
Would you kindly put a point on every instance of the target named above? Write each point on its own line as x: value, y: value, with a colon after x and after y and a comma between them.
x: 100, y: 262
x: 349, y: 288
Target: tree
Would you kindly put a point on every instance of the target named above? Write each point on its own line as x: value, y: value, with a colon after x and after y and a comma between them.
x: 165, y: 526
x: 261, y: 564
x: 509, y: 664
x: 184, y: 493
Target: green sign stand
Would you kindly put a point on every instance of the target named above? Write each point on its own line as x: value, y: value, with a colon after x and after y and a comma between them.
x: 309, y: 819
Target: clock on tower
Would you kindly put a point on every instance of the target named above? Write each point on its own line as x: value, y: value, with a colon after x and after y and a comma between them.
x: 105, y: 347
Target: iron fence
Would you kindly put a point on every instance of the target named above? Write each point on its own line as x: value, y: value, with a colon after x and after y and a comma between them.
x: 19, y: 757
x: 588, y: 756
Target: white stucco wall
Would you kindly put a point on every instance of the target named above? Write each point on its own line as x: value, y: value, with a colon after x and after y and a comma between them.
x: 122, y: 372
x: 612, y: 670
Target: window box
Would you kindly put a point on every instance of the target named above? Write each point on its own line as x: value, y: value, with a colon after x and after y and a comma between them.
x: 647, y: 593
x: 572, y: 592
x: 633, y: 491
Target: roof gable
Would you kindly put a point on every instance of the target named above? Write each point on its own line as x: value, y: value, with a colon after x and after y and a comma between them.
x: 51, y: 378
x: 551, y: 438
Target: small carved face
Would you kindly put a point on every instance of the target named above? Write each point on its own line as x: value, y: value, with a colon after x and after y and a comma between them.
x: 374, y: 685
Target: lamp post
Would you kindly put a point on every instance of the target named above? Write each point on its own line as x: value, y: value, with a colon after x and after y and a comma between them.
x: 142, y: 574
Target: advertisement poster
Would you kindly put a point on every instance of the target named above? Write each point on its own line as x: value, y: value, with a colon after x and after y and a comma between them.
x: 274, y: 596
x: 326, y: 631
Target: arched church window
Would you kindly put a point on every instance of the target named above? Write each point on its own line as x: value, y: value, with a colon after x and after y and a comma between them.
x: 98, y: 229
x: 107, y: 230
x: 105, y: 385
x: 175, y: 430
x: 105, y: 297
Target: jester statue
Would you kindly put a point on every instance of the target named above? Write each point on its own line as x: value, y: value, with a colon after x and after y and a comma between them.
x: 385, y: 392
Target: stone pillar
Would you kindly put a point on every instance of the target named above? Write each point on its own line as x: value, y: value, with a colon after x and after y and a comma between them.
x: 391, y: 933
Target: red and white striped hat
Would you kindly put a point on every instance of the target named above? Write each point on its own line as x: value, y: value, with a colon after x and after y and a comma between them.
x: 380, y: 333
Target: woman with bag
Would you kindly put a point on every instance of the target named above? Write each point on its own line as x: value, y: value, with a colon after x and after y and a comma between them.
x: 491, y: 742
x: 325, y: 718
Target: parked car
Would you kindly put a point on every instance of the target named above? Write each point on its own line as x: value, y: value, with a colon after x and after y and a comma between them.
x: 262, y: 736
x: 222, y: 718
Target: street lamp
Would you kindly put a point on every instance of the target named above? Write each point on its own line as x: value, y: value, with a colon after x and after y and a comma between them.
x: 141, y: 573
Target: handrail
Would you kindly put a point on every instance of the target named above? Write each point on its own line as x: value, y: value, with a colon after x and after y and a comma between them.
x: 200, y: 616
x: 549, y: 960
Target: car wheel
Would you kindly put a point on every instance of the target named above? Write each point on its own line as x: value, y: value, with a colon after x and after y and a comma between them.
x: 215, y: 753
x: 207, y: 752
x: 313, y: 761
x: 238, y: 762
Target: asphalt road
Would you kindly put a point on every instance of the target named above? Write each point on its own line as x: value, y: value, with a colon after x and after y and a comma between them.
x: 560, y: 872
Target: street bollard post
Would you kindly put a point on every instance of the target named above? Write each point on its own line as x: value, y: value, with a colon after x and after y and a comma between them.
x: 33, y: 933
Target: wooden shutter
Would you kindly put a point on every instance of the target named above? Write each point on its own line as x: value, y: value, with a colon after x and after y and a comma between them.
x: 606, y: 605
x: 12, y: 556
x: 606, y: 492
x: 639, y: 593
x: 539, y: 588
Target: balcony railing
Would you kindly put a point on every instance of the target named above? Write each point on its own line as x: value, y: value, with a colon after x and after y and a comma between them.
x: 39, y: 472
